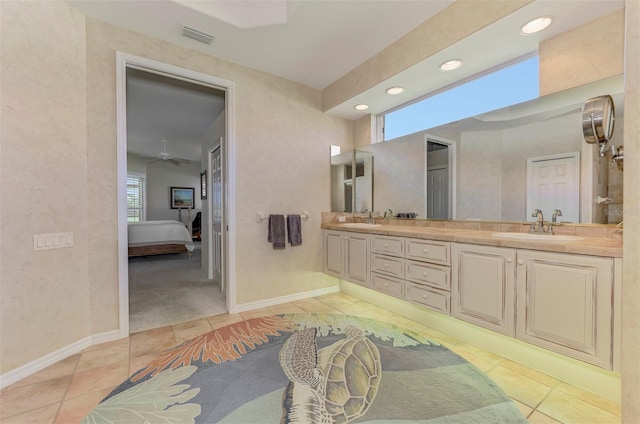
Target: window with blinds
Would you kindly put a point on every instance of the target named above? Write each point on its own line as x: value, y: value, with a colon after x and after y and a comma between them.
x: 135, y: 199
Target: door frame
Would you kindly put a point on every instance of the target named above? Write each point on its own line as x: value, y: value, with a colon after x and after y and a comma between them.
x: 124, y: 61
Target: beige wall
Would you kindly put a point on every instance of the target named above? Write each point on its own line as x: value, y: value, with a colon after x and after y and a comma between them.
x: 631, y: 246
x: 59, y: 165
x: 44, y: 295
x: 591, y: 52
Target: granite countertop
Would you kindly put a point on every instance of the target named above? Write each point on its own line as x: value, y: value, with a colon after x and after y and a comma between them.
x: 607, y: 247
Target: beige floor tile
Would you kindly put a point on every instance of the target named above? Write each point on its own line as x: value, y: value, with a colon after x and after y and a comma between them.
x: 112, y: 355
x: 59, y: 369
x: 74, y: 410
x: 256, y: 313
x: 482, y: 364
x: 152, y: 341
x: 96, y: 379
x: 355, y: 308
x: 519, y: 387
x: 524, y: 409
x: 531, y: 373
x: 539, y: 418
x: 286, y: 308
x: 569, y: 410
x: 45, y: 415
x: 317, y: 307
x: 15, y: 401
x: 123, y: 341
x: 219, y: 321
x: 190, y: 329
x: 595, y: 400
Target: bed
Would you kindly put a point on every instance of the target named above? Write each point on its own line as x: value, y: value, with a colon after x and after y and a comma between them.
x: 158, y: 238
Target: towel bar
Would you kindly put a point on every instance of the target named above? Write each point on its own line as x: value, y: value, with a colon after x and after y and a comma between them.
x: 260, y: 216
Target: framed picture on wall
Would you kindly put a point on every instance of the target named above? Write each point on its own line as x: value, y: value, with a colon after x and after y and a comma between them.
x: 182, y: 198
x: 203, y: 184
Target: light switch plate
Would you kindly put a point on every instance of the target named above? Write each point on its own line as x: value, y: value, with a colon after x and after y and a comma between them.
x: 52, y: 241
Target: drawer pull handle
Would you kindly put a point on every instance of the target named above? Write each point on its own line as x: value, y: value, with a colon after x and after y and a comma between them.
x: 509, y: 260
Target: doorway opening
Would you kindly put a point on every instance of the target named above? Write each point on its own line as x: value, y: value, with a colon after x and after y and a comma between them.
x: 175, y: 287
x: 440, y: 179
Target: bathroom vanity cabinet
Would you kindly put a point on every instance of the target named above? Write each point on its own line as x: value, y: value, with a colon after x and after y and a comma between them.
x: 484, y: 286
x: 564, y: 301
x: 346, y: 255
x: 565, y: 304
x: 412, y: 269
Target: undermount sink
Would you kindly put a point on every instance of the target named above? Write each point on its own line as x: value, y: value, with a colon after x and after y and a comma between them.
x: 533, y: 236
x: 360, y: 225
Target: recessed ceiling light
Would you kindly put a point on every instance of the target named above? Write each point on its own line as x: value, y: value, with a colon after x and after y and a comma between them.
x: 450, y: 65
x: 394, y: 90
x: 536, y: 25
x: 361, y: 107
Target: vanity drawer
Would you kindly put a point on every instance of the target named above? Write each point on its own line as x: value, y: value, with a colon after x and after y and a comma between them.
x: 431, y: 298
x: 435, y: 275
x: 387, y: 285
x: 433, y: 251
x: 388, y: 245
x: 388, y: 265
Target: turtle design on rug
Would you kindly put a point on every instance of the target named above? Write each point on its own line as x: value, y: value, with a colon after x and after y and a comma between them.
x: 308, y: 368
x: 333, y: 385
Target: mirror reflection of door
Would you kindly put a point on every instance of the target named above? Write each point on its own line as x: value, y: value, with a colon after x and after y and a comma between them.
x: 437, y: 181
x: 437, y: 189
x: 216, y: 208
x: 553, y: 183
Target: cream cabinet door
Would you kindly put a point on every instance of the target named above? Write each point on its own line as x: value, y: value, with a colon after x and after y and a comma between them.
x: 565, y: 304
x: 357, y: 258
x: 333, y: 253
x: 483, y: 286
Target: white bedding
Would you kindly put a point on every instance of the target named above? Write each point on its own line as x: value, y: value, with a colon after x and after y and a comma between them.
x: 150, y: 233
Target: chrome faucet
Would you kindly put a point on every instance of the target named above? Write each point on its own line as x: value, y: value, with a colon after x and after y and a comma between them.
x: 370, y: 220
x: 556, y: 214
x: 537, y: 227
x: 388, y: 214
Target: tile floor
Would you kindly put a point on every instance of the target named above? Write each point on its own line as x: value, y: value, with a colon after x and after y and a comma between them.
x: 65, y: 392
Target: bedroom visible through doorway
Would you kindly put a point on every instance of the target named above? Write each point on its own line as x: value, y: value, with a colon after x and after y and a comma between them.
x: 172, y: 124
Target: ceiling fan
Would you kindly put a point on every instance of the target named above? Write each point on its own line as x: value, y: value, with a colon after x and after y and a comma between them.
x: 165, y: 156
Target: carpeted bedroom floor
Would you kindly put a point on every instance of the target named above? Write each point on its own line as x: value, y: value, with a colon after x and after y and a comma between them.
x: 170, y: 289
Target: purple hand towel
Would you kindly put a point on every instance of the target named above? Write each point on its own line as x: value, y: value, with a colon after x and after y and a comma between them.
x: 276, y: 231
x: 294, y: 230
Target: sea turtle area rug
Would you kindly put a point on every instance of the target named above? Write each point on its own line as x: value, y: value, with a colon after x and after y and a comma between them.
x: 308, y: 368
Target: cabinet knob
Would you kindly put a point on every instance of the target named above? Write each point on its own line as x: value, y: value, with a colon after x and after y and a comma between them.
x: 386, y: 265
x: 520, y: 262
x: 509, y: 260
x: 424, y: 296
x: 386, y: 284
x: 424, y: 274
x: 425, y: 251
x: 386, y: 245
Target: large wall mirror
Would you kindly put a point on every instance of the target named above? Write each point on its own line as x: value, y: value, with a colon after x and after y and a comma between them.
x: 481, y: 168
x: 352, y: 181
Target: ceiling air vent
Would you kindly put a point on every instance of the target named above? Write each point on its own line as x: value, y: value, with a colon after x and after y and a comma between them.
x: 194, y: 34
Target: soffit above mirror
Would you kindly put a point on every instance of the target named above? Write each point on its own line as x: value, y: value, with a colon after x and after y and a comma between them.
x: 493, y: 46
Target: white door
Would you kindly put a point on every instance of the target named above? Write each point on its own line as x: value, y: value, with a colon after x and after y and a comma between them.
x: 553, y: 183
x: 437, y: 193
x: 216, y: 215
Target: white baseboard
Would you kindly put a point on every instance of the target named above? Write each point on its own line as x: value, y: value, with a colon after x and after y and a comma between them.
x: 245, y: 307
x: 49, y: 359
